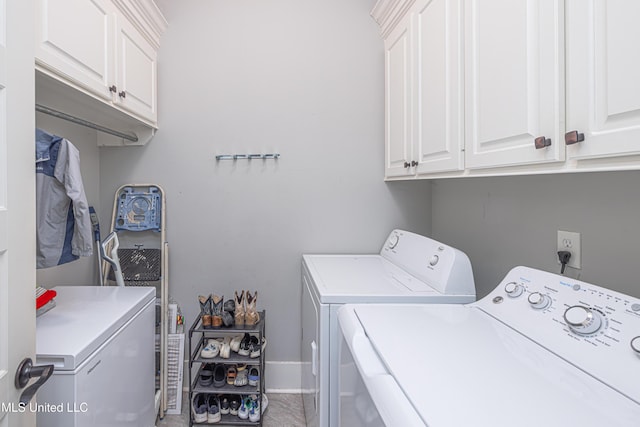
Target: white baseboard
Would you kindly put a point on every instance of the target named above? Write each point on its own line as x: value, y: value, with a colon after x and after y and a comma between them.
x: 282, y: 377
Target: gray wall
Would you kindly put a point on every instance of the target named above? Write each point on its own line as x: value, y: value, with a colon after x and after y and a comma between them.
x: 304, y: 79
x: 507, y: 221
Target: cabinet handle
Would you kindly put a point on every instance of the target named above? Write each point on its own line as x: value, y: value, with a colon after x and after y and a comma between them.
x: 113, y: 88
x: 414, y: 163
x: 122, y: 94
x: 407, y: 164
x: 541, y: 142
x: 573, y: 137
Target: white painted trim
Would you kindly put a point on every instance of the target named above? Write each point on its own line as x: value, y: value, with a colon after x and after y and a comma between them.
x: 387, y: 13
x: 282, y: 377
x: 146, y: 17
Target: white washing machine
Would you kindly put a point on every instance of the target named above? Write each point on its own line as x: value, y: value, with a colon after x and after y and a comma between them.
x: 409, y: 269
x: 540, y: 350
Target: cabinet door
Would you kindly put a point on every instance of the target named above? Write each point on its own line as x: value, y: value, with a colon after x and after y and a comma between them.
x: 514, y: 81
x: 603, y: 69
x: 137, y: 69
x: 398, y: 100
x: 74, y: 40
x: 438, y: 86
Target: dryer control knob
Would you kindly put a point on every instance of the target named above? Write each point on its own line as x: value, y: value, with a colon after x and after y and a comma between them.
x: 539, y: 301
x: 393, y: 241
x: 434, y: 260
x: 513, y: 289
x: 583, y: 320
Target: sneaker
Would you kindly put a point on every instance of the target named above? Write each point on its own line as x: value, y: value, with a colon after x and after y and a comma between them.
x: 234, y: 404
x: 235, y: 343
x: 211, y: 350
x: 255, y: 348
x: 254, y: 375
x: 243, y: 412
x: 213, y: 412
x: 265, y: 403
x: 244, y: 345
x: 225, y: 348
x: 254, y: 409
x: 225, y: 408
x: 199, y: 408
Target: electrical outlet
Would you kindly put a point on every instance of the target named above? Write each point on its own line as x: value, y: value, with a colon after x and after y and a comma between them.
x: 570, y: 241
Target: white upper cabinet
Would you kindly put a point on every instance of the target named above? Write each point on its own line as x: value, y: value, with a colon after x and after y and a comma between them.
x: 398, y: 90
x: 542, y: 86
x: 423, y: 132
x: 103, y: 50
x: 603, y: 79
x: 137, y: 71
x: 438, y: 131
x: 513, y: 82
x: 75, y: 40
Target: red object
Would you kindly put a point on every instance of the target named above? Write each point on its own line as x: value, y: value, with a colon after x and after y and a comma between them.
x: 45, y: 298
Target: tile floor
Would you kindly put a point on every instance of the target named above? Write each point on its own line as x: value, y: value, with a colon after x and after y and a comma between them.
x: 284, y: 410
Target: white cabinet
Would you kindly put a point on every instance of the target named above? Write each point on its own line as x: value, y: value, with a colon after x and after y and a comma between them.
x: 603, y: 87
x: 136, y: 78
x: 75, y: 40
x: 513, y: 82
x: 105, y: 49
x: 422, y: 91
x: 532, y: 72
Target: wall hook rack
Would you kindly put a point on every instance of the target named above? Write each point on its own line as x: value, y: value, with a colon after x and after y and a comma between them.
x: 247, y: 156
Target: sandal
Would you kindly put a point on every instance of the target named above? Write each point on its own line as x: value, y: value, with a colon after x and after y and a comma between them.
x: 241, y: 377
x: 205, y: 378
x: 219, y: 375
x: 232, y: 372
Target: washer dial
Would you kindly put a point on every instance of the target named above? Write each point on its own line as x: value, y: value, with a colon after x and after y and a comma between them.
x: 513, y: 289
x: 393, y: 241
x: 539, y: 301
x: 635, y: 345
x: 583, y: 320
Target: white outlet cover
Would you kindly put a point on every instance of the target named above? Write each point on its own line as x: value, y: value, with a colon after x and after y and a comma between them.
x: 570, y: 241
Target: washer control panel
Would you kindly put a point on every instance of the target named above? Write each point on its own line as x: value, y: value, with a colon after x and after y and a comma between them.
x: 593, y: 328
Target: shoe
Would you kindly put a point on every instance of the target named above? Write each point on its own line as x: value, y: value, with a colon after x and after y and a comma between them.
x: 199, y: 408
x: 225, y: 348
x: 232, y: 372
x: 254, y: 375
x: 242, y: 376
x: 211, y: 350
x: 205, y: 311
x: 239, y: 311
x: 243, y: 412
x: 265, y: 403
x: 255, y: 348
x: 213, y: 412
x: 219, y: 375
x: 229, y: 305
x: 235, y: 343
x: 234, y: 404
x: 227, y: 319
x: 216, y: 310
x: 254, y: 408
x: 251, y: 315
x: 225, y: 409
x: 244, y: 350
x: 205, y: 378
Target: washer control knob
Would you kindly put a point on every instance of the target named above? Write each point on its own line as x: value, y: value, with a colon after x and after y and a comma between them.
x: 635, y: 345
x: 393, y: 241
x: 513, y: 289
x: 583, y: 320
x: 539, y: 301
x: 434, y: 260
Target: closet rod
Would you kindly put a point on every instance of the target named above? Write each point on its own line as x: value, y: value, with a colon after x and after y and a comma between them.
x: 76, y: 120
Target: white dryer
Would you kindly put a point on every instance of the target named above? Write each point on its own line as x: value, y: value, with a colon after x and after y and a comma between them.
x: 409, y: 269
